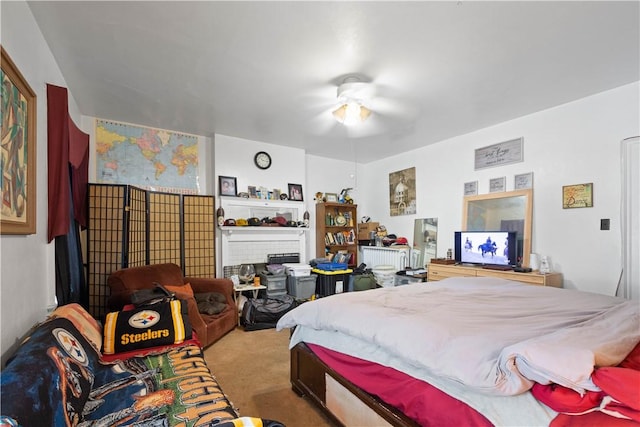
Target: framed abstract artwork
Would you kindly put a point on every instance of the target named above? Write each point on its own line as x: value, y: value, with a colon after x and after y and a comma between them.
x: 17, y: 152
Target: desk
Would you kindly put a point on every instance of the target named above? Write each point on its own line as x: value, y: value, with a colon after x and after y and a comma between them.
x: 239, y: 289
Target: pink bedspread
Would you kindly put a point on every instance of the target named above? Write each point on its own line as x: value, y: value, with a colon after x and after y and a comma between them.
x: 417, y: 399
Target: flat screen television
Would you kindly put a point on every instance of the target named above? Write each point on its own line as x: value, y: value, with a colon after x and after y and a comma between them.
x: 486, y: 247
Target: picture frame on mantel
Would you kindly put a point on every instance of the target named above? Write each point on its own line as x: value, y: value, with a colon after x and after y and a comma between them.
x: 228, y: 186
x: 295, y: 192
x: 18, y: 151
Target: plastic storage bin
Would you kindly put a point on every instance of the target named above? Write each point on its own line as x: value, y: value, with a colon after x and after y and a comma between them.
x: 332, y: 282
x: 403, y: 279
x: 276, y: 284
x: 297, y: 269
x: 385, y: 275
x: 331, y: 266
x: 301, y: 287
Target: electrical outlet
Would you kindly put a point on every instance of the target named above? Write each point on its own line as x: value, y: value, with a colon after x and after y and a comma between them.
x: 605, y: 224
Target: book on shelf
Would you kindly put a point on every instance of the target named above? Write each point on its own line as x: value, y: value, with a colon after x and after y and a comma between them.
x: 340, y: 238
x: 342, y: 257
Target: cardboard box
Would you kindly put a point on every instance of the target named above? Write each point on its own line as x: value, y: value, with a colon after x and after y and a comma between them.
x: 364, y: 228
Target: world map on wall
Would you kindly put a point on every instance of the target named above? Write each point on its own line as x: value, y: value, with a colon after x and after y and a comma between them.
x: 149, y: 158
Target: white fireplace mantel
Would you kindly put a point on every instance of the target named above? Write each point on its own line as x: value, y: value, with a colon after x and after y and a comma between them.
x: 252, y: 244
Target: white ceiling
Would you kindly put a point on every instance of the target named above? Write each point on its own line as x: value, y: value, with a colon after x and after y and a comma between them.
x: 268, y: 71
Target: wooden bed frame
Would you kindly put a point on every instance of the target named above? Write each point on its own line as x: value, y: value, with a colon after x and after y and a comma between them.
x: 342, y: 401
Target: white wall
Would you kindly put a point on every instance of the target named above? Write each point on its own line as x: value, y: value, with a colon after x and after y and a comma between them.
x: 575, y: 143
x: 27, y: 273
x: 234, y: 157
x: 329, y: 176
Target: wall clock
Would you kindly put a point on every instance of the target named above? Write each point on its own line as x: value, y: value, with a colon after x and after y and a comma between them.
x: 262, y: 160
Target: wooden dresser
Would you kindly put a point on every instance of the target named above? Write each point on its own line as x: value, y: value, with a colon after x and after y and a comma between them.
x: 437, y: 272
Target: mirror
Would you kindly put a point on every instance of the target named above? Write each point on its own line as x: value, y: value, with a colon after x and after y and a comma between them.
x: 507, y: 211
x: 425, y: 237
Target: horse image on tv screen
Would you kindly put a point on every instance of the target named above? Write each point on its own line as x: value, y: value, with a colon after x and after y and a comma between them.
x: 484, y: 247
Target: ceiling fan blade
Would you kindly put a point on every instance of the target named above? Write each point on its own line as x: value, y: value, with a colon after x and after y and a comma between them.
x: 322, y: 123
x: 374, y: 125
x: 391, y: 107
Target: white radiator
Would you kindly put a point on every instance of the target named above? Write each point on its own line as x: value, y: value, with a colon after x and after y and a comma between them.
x: 397, y: 256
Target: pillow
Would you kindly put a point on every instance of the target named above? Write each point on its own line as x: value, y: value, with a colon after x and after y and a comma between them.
x: 211, y: 302
x: 180, y: 289
x: 149, y: 326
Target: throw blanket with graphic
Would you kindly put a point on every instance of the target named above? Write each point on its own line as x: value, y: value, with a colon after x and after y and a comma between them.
x: 57, y: 377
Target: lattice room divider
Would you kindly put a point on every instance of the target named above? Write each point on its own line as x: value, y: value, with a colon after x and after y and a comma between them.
x: 129, y: 227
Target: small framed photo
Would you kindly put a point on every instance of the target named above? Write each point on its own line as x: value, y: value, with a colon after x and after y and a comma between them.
x: 295, y: 192
x: 577, y: 196
x: 253, y: 192
x: 227, y: 185
x: 276, y: 194
x: 471, y: 188
x: 331, y: 197
x: 523, y: 181
x: 497, y: 185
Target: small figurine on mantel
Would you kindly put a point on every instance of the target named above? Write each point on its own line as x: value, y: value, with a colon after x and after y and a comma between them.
x: 220, y: 216
x: 320, y: 197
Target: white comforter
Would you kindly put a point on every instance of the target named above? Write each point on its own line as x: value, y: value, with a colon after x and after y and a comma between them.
x: 491, y: 335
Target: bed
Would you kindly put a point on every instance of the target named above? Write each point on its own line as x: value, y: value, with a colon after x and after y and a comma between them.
x: 467, y: 350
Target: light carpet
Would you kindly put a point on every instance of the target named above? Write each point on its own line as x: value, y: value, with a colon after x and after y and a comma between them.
x: 253, y: 371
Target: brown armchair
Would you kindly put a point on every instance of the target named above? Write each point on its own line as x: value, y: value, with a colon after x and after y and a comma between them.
x: 209, y: 328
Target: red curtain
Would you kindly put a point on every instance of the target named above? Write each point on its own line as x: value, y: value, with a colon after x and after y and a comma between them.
x: 67, y: 161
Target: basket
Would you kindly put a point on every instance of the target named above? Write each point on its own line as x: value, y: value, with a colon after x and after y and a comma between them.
x: 230, y: 270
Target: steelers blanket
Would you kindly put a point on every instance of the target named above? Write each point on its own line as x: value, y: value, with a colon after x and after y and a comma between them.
x: 151, y: 326
x: 57, y: 378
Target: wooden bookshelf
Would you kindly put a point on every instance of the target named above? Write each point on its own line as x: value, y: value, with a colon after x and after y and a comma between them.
x: 337, y: 230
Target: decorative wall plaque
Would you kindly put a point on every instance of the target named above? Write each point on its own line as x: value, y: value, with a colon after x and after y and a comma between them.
x: 503, y: 153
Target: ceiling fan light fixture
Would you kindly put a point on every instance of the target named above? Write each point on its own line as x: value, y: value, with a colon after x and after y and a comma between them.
x: 351, y: 113
x: 351, y: 100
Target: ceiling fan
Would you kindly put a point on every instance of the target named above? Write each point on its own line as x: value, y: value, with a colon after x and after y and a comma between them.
x: 354, y: 101
x: 359, y: 108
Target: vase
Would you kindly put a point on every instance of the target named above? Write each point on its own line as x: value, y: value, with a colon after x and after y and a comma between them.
x: 247, y: 273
